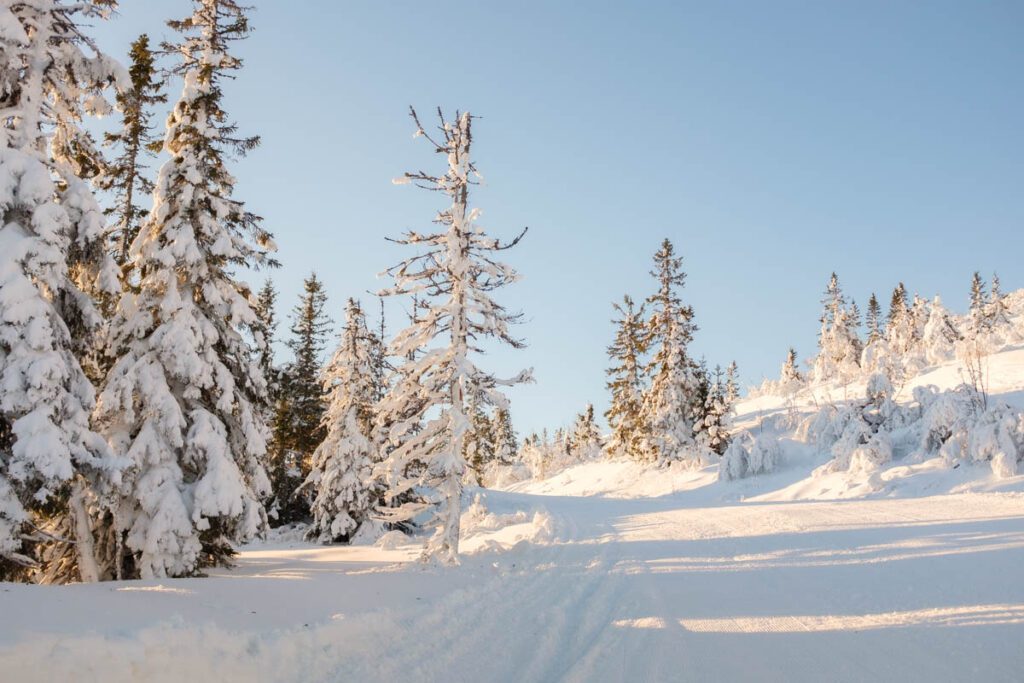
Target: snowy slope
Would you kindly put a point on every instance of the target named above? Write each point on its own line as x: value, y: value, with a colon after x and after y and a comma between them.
x: 578, y: 589
x: 605, y: 571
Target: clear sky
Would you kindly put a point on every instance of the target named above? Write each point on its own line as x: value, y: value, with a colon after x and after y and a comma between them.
x: 772, y: 142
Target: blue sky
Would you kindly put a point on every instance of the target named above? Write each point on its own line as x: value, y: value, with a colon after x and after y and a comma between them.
x: 772, y: 142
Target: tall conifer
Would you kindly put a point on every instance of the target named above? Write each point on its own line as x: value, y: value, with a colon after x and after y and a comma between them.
x: 183, y: 400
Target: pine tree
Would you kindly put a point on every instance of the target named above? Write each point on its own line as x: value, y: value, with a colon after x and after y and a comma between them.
x: 940, y: 334
x: 586, y: 437
x: 998, y: 314
x: 853, y: 316
x: 900, y: 329
x: 264, y: 332
x: 341, y: 477
x: 976, y: 342
x: 626, y: 381
x: 714, y: 427
x: 478, y: 445
x: 874, y: 320
x: 980, y: 322
x: 669, y: 407
x: 53, y: 468
x: 838, y: 343
x: 897, y: 306
x: 698, y: 401
x: 381, y: 366
x: 505, y: 443
x: 732, y: 386
x: 182, y: 401
x: 791, y: 369
x: 456, y: 276
x: 298, y: 428
x: 125, y: 176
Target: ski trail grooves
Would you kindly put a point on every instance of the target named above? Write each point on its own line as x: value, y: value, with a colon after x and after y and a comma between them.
x: 924, y: 589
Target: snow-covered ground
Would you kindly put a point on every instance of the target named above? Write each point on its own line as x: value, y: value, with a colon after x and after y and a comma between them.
x: 606, y: 571
x: 578, y: 588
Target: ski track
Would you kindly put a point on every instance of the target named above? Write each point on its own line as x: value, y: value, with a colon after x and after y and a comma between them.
x: 920, y: 589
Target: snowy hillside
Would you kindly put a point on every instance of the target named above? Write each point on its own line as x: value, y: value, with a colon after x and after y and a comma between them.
x: 606, y: 571
x: 562, y: 587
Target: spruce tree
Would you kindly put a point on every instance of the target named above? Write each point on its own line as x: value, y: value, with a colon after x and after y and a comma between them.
x: 586, y: 437
x: 125, y: 177
x: 839, y: 347
x: 873, y: 322
x: 456, y: 275
x: 790, y: 369
x: 264, y: 333
x: 713, y: 432
x: 478, y: 446
x: 298, y: 428
x: 900, y: 328
x: 897, y: 305
x: 669, y: 408
x: 341, y: 478
x: 998, y: 314
x: 182, y: 402
x: 979, y: 319
x: 626, y: 380
x: 505, y: 443
x: 940, y: 334
x: 732, y: 384
x: 54, y: 471
x: 698, y: 402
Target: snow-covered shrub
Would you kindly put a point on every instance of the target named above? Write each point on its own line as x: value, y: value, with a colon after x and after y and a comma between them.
x: 855, y: 433
x: 764, y: 456
x: 733, y: 464
x: 997, y: 437
x: 738, y: 462
x: 952, y: 424
x: 826, y: 426
x: 943, y: 414
x: 877, y: 451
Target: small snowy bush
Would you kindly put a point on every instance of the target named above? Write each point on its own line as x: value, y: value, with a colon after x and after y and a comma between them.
x: 737, y: 462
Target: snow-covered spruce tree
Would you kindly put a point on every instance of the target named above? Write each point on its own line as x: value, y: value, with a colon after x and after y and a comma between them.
x: 182, y: 401
x: 873, y: 320
x: 976, y: 342
x: 669, y: 407
x: 263, y: 333
x: 791, y: 369
x: 478, y: 445
x: 125, y: 176
x: 839, y: 347
x: 900, y: 328
x: 298, y: 429
x: 341, y: 478
x: 626, y: 380
x: 455, y: 277
x: 732, y: 384
x: 791, y: 380
x: 54, y: 268
x: 381, y: 365
x: 940, y: 334
x: 978, y: 313
x: 586, y: 437
x: 505, y: 443
x: 999, y: 314
x: 713, y: 430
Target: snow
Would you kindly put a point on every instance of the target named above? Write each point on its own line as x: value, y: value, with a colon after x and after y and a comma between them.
x: 564, y: 587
